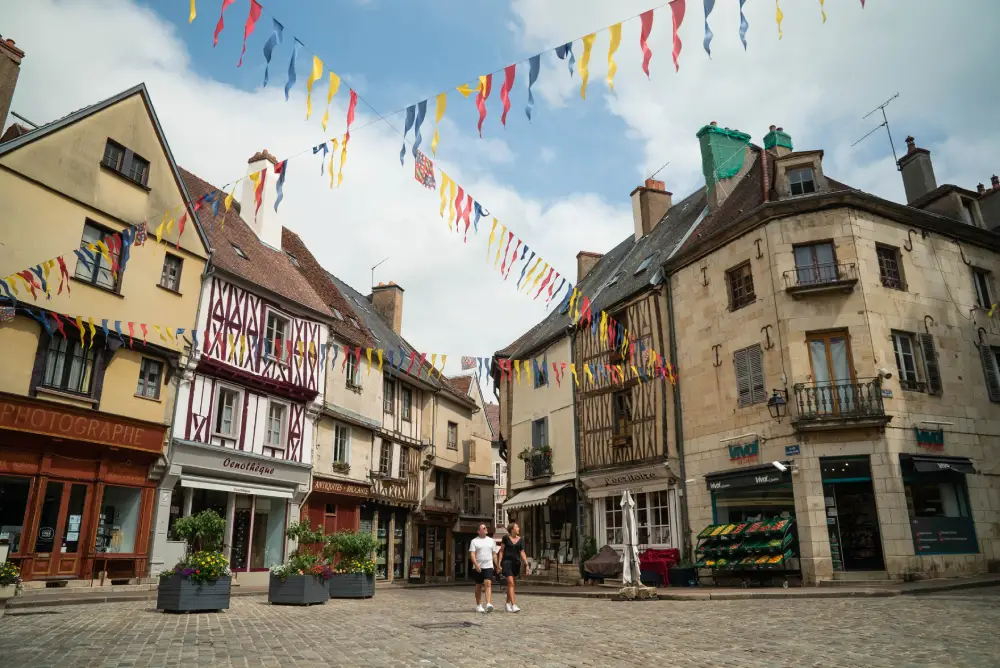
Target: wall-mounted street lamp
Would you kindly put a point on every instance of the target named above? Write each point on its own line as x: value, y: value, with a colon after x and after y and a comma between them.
x: 778, y: 405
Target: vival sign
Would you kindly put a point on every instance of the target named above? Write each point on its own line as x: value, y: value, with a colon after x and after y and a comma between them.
x: 747, y: 452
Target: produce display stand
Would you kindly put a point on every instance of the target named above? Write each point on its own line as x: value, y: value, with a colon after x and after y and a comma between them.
x: 750, y: 553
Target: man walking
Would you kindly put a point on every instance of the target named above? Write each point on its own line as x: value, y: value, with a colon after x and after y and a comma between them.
x: 482, y: 552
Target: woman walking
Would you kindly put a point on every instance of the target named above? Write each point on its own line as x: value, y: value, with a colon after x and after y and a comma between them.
x: 511, y: 557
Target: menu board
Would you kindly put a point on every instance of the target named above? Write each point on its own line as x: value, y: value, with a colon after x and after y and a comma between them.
x: 943, y: 535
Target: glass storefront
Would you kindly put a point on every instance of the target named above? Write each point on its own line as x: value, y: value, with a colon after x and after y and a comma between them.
x: 653, y: 514
x: 937, y: 502
x: 13, y: 506
x: 399, y: 546
x: 118, y: 520
x: 753, y: 504
x: 851, y: 514
x: 257, y: 532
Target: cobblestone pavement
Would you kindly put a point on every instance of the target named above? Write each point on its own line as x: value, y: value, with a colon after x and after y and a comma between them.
x: 436, y: 627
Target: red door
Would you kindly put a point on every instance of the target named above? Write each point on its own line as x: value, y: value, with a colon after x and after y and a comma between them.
x: 60, y: 529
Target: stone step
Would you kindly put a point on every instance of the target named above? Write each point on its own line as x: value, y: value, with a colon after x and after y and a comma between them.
x: 855, y: 576
x: 861, y: 584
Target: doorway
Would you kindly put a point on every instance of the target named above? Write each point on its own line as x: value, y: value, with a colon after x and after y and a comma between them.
x: 58, y: 540
x: 832, y: 371
x: 851, y: 514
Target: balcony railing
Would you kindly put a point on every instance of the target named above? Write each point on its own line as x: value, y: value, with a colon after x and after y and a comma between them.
x: 838, y: 405
x: 820, y: 278
x: 537, y: 466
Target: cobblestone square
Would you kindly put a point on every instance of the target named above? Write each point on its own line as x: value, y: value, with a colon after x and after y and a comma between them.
x: 437, y: 627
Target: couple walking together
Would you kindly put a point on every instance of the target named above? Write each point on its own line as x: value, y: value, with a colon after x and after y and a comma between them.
x: 508, y: 558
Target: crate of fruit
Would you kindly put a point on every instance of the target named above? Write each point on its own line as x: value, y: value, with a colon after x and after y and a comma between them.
x: 748, y: 562
x: 717, y: 531
x: 739, y: 529
x: 722, y: 563
x: 757, y: 528
x: 707, y: 531
x: 727, y: 532
x: 780, y: 525
x: 734, y: 548
x: 761, y: 560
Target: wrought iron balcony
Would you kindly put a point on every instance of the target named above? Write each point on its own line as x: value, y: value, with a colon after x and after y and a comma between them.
x: 817, y: 278
x: 839, y: 405
x: 537, y: 466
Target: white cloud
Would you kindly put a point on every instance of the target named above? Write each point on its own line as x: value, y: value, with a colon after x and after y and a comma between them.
x: 547, y: 154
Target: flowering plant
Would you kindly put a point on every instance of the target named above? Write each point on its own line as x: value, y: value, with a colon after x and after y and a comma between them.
x: 354, y: 565
x: 10, y: 575
x: 201, y: 567
x: 351, y: 552
x: 302, y: 564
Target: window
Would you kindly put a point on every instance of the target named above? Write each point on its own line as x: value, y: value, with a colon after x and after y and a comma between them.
x: 150, y: 377
x: 239, y: 251
x: 277, y: 335
x: 471, y: 500
x: 614, y: 533
x: 125, y: 162
x: 903, y: 346
x: 404, y: 462
x: 385, y: 458
x: 226, y: 406
x: 969, y: 210
x: 938, y: 507
x: 652, y: 515
x: 388, y: 396
x: 407, y: 399
x: 815, y: 264
x: 801, y: 181
x: 170, y: 276
x: 541, y: 375
x: 540, y: 433
x: 118, y: 521
x: 341, y: 443
x: 500, y: 518
x: 353, y: 372
x: 890, y: 267
x: 277, y: 414
x: 496, y: 473
x: 440, y: 484
x: 621, y: 407
x: 990, y: 357
x: 96, y: 269
x: 981, y: 280
x: 936, y: 495
x: 643, y: 266
x: 472, y: 450
x: 740, y: 280
x: 750, y: 376
x: 68, y: 366
x: 452, y: 436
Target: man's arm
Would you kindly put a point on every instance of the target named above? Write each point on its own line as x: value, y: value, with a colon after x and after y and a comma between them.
x: 472, y: 557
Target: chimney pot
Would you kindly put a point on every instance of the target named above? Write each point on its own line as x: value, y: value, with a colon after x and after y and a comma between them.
x: 649, y: 204
x: 910, y: 144
x: 980, y: 188
x: 917, y: 171
x: 713, y: 123
x: 655, y: 185
x: 585, y: 261
x: 772, y: 128
x: 995, y: 181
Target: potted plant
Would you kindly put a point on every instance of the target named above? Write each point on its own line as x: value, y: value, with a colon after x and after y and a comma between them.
x: 10, y: 583
x: 684, y: 574
x: 302, y: 580
x: 342, y: 467
x: 350, y: 552
x: 201, y: 580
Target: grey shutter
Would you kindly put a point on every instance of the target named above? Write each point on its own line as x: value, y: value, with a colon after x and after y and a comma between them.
x: 742, y: 377
x: 931, y: 367
x: 990, y: 371
x: 755, y: 362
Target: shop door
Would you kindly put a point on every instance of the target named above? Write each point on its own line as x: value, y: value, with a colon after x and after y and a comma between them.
x: 59, y: 536
x: 852, y: 516
x: 833, y: 374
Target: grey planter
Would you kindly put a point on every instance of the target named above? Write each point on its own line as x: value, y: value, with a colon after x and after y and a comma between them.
x: 352, y: 585
x: 298, y: 590
x: 180, y: 594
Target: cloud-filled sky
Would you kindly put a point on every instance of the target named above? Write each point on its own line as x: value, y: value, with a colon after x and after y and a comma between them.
x: 560, y: 182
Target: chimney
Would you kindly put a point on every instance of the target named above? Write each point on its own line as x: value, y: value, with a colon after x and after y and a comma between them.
x: 917, y: 171
x: 649, y: 204
x: 585, y: 261
x: 980, y: 188
x: 263, y: 220
x: 777, y: 142
x: 10, y: 66
x: 388, y: 302
x: 725, y: 158
x: 995, y: 181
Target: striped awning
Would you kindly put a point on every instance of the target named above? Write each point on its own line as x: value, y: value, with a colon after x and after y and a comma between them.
x: 536, y: 496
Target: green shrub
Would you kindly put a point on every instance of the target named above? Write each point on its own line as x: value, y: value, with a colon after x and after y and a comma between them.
x: 351, y: 551
x: 203, y: 532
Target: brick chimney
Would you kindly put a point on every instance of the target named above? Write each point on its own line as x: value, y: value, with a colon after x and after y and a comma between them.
x: 585, y: 261
x: 387, y: 298
x: 777, y: 142
x: 264, y: 220
x: 725, y: 158
x: 650, y: 202
x: 10, y: 67
x: 917, y: 171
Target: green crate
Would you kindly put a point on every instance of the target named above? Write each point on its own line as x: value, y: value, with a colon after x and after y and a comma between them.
x: 706, y: 532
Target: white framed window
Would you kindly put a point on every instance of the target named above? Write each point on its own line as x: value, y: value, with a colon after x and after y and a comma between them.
x: 652, y: 513
x: 353, y: 372
x: 150, y: 378
x: 277, y: 335
x: 277, y: 425
x: 496, y: 473
x: 170, y: 275
x: 389, y: 396
x: 404, y: 462
x: 904, y: 347
x: 614, y: 533
x: 406, y: 399
x: 385, y: 458
x: 500, y: 517
x: 341, y: 443
x: 227, y: 408
x: 984, y: 295
x: 801, y: 181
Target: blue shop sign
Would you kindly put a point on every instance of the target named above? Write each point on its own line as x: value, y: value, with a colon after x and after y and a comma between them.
x: 792, y: 450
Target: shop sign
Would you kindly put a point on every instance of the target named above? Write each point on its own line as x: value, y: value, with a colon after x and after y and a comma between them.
x: 416, y: 567
x: 46, y: 533
x: 747, y: 452
x: 764, y: 477
x: 943, y: 535
x: 792, y: 450
x: 338, y: 487
x: 247, y: 466
x: 932, y: 439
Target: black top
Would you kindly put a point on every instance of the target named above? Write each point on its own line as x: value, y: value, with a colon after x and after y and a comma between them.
x: 512, y: 550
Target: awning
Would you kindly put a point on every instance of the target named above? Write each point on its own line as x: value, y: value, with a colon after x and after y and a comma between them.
x: 237, y: 487
x: 475, y: 477
x: 934, y: 463
x: 536, y: 496
x: 748, y: 476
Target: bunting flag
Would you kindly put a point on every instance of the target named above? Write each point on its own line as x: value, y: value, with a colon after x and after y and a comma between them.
x: 331, y: 91
x: 411, y: 114
x: 677, y: 10
x: 368, y: 359
x: 779, y: 16
x: 533, y: 65
x: 506, y: 250
x: 588, y: 44
x: 347, y: 135
x: 513, y: 258
x: 255, y: 10
x: 566, y: 51
x: 180, y: 229
x: 448, y: 189
x: 525, y: 267
x: 485, y: 86
x: 333, y: 153
x: 492, y: 236
x: 194, y: 12
x: 379, y: 360
x: 64, y: 273
x: 531, y: 272
x: 417, y: 138
x: 220, y: 25
x: 440, y: 104
x: 314, y: 76
x: 291, y: 67
x: 229, y: 199
x: 480, y: 212
x: 258, y: 179
x: 503, y: 233
x: 822, y: 10
x: 545, y: 282
x: 281, y: 169
x: 615, y: 32
x: 743, y: 26
x: 423, y: 172
x: 269, y: 45
x: 508, y: 82
x: 468, y: 363
x: 709, y: 6
x: 322, y: 161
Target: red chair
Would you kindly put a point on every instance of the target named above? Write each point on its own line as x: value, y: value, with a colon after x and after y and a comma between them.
x: 659, y: 562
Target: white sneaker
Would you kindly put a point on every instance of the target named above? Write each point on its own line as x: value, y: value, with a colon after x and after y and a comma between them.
x: 508, y: 608
x: 479, y: 608
x: 489, y: 607
x: 514, y: 608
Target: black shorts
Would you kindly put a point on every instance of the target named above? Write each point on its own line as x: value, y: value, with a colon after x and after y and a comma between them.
x: 511, y: 569
x: 482, y: 575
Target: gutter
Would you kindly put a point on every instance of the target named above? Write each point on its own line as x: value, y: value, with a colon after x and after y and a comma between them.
x: 678, y: 425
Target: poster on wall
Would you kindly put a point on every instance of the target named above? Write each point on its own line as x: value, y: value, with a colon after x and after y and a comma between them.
x: 943, y: 535
x: 416, y: 568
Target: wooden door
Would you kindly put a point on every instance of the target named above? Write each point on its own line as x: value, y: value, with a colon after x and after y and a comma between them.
x: 61, y: 527
x: 833, y: 371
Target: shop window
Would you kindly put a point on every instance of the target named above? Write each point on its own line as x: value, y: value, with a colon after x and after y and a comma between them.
x: 407, y: 403
x: 385, y: 458
x: 341, y: 443
x: 499, y: 518
x: 753, y: 504
x: 123, y: 161
x: 118, y: 520
x: 388, y: 397
x: 653, y: 513
x: 981, y: 281
x: 277, y: 335
x: 227, y: 404
x: 92, y: 265
x: 353, y: 373
x: 453, y: 436
x: 150, y: 378
x: 539, y: 433
x: 68, y: 366
x: 170, y: 275
x: 890, y: 267
x: 277, y: 418
x: 935, y: 495
x: 940, y: 516
x: 749, y: 364
x: 404, y: 462
x: 739, y: 279
x: 441, y: 485
x: 990, y: 357
x: 13, y: 505
x: 801, y: 181
x: 613, y: 521
x: 258, y: 532
x: 621, y: 405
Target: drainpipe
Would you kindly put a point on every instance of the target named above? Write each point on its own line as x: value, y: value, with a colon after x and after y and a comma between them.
x: 678, y: 423
x: 581, y: 506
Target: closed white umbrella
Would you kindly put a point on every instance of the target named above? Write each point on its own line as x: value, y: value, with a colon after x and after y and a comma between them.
x: 630, y: 557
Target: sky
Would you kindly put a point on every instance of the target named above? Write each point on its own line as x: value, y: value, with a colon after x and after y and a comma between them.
x: 562, y: 181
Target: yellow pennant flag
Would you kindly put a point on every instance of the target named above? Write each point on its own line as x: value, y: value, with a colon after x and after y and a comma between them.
x: 589, y: 374
x: 588, y: 45
x: 314, y: 76
x: 444, y: 360
x: 822, y: 10
x: 492, y: 237
x: 229, y: 199
x: 333, y: 152
x: 170, y: 226
x: 616, y: 39
x: 379, y: 360
x: 538, y: 277
x: 531, y: 272
x: 779, y: 16
x: 232, y: 346
x: 160, y: 332
x: 79, y: 325
x: 993, y: 308
x: 572, y: 370
x: 243, y: 347
x: 517, y: 370
x: 334, y: 87
x: 93, y: 332
x: 302, y: 352
x: 343, y: 159
x: 368, y: 356
x: 312, y: 353
x: 466, y: 91
x: 104, y: 252
x: 193, y: 14
x: 170, y: 334
x: 447, y: 196
x: 13, y: 285
x: 602, y: 329
x: 159, y: 231
x: 635, y: 372
x: 434, y: 359
x: 503, y: 233
x: 440, y: 105
x: 527, y: 371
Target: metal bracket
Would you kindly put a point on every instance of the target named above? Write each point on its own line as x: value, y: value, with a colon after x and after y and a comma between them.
x: 766, y: 331
x: 980, y: 333
x: 962, y: 251
x: 759, y: 254
x: 926, y: 327
x: 908, y: 244
x: 704, y: 275
x: 717, y: 362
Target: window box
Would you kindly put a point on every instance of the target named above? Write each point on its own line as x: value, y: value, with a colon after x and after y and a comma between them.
x: 298, y: 590
x: 341, y: 467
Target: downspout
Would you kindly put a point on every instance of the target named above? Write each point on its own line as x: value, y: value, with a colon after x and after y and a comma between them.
x: 678, y: 424
x: 581, y: 506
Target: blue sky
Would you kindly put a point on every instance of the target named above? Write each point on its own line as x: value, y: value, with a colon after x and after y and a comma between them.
x: 561, y: 182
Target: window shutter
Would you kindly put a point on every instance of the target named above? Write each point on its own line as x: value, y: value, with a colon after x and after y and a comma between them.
x: 742, y: 377
x: 990, y: 371
x: 933, y: 370
x: 755, y: 362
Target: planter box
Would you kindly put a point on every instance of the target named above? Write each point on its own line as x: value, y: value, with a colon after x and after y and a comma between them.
x: 6, y: 592
x: 683, y: 577
x: 179, y: 594
x: 298, y: 590
x: 352, y: 585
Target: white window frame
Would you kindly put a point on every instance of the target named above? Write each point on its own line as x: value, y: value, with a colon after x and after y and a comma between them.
x: 237, y: 409
x: 346, y: 431
x: 283, y: 436
x: 496, y: 473
x: 387, y: 469
x: 389, y: 396
x: 402, y: 462
x: 279, y: 356
x: 982, y: 300
x: 405, y: 403
x: 451, y: 445
x: 800, y: 182
x: 353, y: 371
x: 906, y: 382
x: 143, y: 381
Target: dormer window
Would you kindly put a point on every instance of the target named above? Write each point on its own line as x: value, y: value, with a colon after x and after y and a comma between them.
x: 801, y: 181
x: 239, y: 251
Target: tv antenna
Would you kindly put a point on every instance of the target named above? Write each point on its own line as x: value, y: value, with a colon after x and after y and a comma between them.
x: 883, y: 124
x: 373, y: 270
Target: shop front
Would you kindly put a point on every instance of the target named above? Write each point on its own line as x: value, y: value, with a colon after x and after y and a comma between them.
x: 547, y: 517
x: 335, y: 504
x: 655, y: 495
x: 937, y: 503
x: 851, y: 514
x: 435, y: 541
x: 76, y: 498
x: 389, y: 523
x: 258, y: 496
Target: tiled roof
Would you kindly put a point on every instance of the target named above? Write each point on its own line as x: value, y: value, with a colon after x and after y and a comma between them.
x: 461, y: 383
x: 13, y: 132
x: 493, y: 417
x: 264, y: 266
x: 321, y: 283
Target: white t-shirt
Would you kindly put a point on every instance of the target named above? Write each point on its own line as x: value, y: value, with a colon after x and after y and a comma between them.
x: 484, y: 549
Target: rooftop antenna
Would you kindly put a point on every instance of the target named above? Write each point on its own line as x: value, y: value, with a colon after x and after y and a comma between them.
x: 885, y: 124
x: 373, y: 271
x: 653, y: 175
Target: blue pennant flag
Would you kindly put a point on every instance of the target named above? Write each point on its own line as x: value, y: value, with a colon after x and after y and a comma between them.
x: 564, y: 51
x: 269, y: 45
x: 291, y: 67
x: 421, y: 112
x: 281, y: 168
x: 411, y: 112
x: 533, y: 65
x: 322, y: 161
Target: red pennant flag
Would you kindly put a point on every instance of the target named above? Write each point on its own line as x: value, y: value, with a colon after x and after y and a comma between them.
x: 677, y: 9
x: 63, y: 276
x: 258, y: 193
x: 513, y: 258
x: 585, y: 310
x: 350, y: 111
x: 508, y: 83
x: 646, y: 19
x: 114, y: 243
x: 510, y: 237
x: 545, y: 282
x: 180, y: 226
x: 59, y: 324
x: 131, y: 333
x: 220, y: 25
x: 255, y: 10
x: 144, y: 332
x: 413, y: 359
x: 484, y: 93
x: 288, y: 349
x: 347, y: 353
x: 555, y: 369
x: 552, y: 283
x: 29, y: 277
x: 423, y: 360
